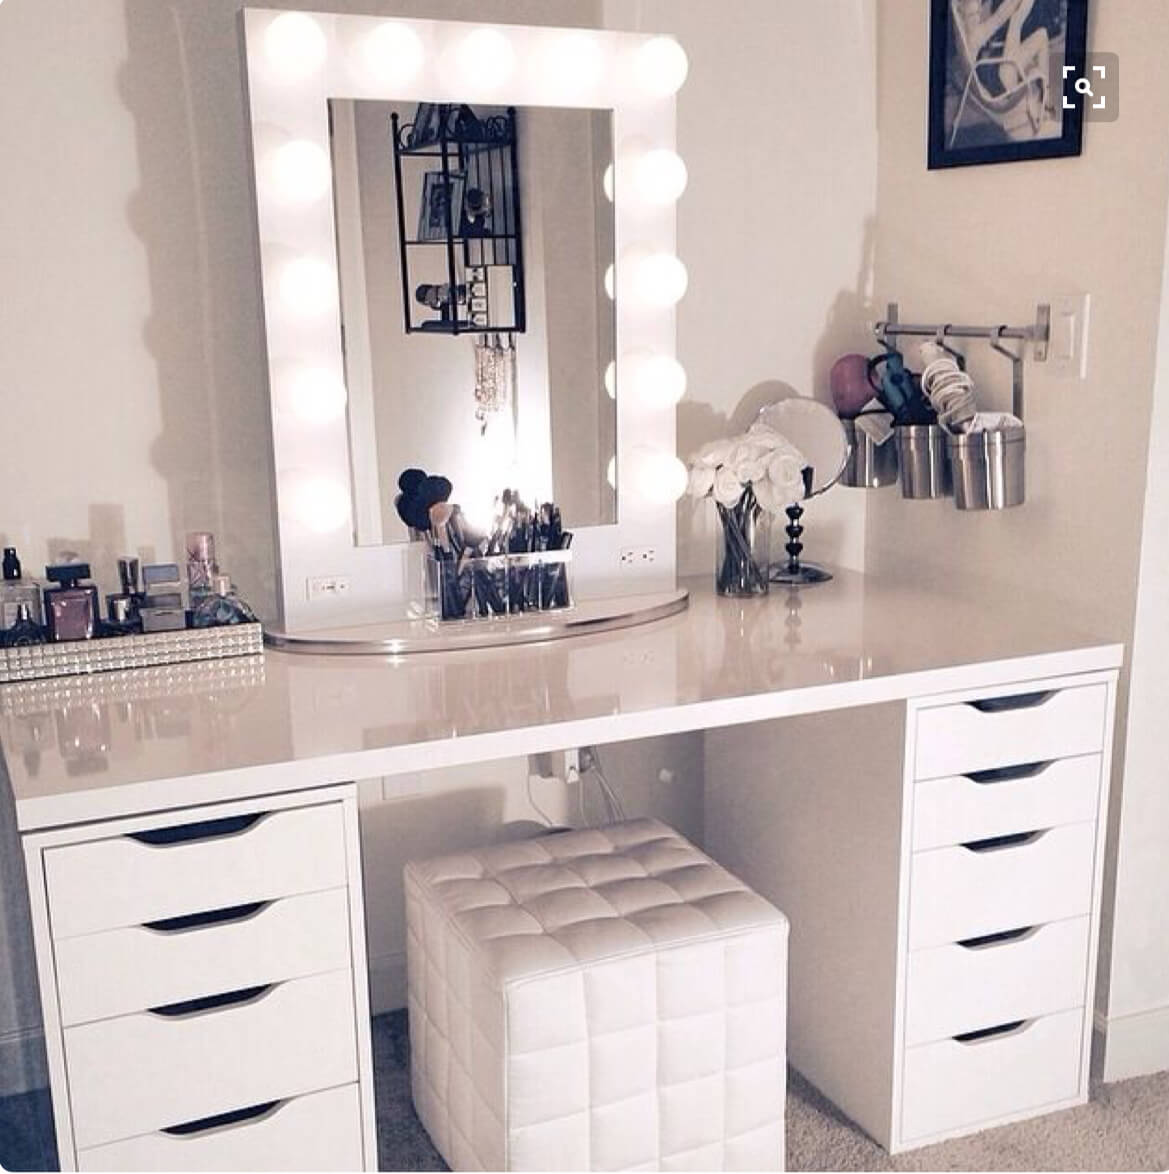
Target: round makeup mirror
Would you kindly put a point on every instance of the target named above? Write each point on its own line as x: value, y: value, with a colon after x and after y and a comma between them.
x: 817, y: 432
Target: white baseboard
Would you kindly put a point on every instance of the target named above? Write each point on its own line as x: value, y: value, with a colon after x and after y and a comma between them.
x: 387, y: 983
x: 1134, y: 1045
x: 22, y: 1062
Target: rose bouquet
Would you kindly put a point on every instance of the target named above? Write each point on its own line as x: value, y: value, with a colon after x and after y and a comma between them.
x: 751, y: 477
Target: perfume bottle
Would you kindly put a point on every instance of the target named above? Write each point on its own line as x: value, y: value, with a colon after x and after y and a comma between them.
x: 24, y: 632
x: 201, y: 565
x: 223, y: 606
x: 71, y: 606
x: 15, y: 590
x: 122, y: 609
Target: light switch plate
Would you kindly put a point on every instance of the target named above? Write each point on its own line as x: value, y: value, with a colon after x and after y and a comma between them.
x: 1068, y: 354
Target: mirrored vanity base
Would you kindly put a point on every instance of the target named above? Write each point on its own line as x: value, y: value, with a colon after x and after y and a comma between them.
x: 430, y: 635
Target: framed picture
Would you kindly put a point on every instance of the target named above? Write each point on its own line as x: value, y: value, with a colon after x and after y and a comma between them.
x: 425, y: 129
x: 999, y: 71
x: 442, y: 204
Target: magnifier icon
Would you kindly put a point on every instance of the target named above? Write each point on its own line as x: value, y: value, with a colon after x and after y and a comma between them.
x: 1084, y: 86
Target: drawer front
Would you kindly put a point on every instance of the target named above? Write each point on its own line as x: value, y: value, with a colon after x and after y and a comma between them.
x: 321, y: 1131
x: 146, y: 1072
x: 1037, y: 726
x: 215, y: 864
x: 956, y: 989
x: 120, y: 971
x: 957, y: 893
x: 951, y: 1086
x: 961, y: 808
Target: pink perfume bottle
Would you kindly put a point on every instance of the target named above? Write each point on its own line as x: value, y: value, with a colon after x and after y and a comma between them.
x: 71, y: 606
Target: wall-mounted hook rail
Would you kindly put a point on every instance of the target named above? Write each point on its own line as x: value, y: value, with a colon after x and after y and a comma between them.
x: 1037, y: 335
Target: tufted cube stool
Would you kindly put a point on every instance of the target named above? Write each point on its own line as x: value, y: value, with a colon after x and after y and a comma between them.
x: 605, y: 999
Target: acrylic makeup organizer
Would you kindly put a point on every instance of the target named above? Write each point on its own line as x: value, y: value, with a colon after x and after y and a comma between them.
x: 984, y: 471
x: 495, y: 586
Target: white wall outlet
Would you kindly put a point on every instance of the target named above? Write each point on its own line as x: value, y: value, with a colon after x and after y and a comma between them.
x: 638, y: 556
x: 1068, y: 353
x: 327, y: 587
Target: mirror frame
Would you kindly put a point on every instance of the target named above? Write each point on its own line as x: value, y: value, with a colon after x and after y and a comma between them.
x: 288, y: 103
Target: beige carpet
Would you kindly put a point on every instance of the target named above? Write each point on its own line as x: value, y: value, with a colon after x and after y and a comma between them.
x: 1125, y: 1126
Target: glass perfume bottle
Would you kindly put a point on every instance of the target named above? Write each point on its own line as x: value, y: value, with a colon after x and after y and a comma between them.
x: 222, y: 606
x: 15, y: 590
x: 24, y: 632
x: 71, y: 606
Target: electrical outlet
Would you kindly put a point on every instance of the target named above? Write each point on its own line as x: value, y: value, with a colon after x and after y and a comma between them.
x: 328, y: 587
x: 638, y: 556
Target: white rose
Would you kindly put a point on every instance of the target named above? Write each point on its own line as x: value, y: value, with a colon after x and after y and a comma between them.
x: 713, y: 454
x: 786, y: 469
x: 751, y: 470
x: 701, y: 480
x: 727, y: 487
x: 767, y: 497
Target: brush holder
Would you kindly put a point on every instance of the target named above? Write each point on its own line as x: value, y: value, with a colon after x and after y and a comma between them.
x: 870, y: 465
x: 498, y: 585
x: 924, y: 461
x: 988, y: 468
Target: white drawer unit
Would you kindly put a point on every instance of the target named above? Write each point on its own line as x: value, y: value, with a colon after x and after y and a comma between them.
x: 958, y: 1085
x: 206, y: 1002
x: 1010, y: 729
x: 320, y: 1131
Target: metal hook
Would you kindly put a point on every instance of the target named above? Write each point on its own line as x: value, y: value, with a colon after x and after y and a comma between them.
x: 880, y: 329
x: 940, y: 339
x: 1016, y: 357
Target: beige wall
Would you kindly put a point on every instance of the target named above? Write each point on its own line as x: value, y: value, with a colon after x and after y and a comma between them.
x: 984, y: 244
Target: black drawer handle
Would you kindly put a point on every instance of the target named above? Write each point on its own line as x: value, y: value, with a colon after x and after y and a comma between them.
x: 1016, y: 1026
x: 1016, y: 701
x: 252, y: 994
x: 235, y: 1117
x: 1007, y: 774
x: 211, y: 917
x: 998, y: 939
x: 208, y: 829
x: 997, y: 843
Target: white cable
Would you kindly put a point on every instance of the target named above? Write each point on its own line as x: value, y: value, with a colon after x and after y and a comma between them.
x: 536, y: 806
x: 950, y: 389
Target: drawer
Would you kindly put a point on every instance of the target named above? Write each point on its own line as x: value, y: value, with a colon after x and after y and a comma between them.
x: 1010, y: 799
x: 954, y: 989
x: 952, y: 1086
x: 118, y: 971
x: 151, y: 1071
x: 1008, y: 730
x: 193, y: 868
x: 969, y: 891
x: 321, y: 1131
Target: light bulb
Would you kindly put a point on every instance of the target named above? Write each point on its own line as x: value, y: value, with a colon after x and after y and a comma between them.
x: 393, y: 54
x: 611, y: 472
x: 611, y: 380
x: 314, y: 395
x: 660, y: 67
x: 607, y: 183
x: 611, y: 282
x: 294, y: 45
x: 658, y: 280
x: 300, y: 171
x: 308, y: 287
x: 658, y: 381
x: 570, y: 63
x: 658, y: 476
x: 320, y: 503
x: 481, y: 62
x: 660, y: 176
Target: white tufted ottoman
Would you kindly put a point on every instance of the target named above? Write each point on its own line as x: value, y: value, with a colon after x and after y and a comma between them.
x: 596, y: 1000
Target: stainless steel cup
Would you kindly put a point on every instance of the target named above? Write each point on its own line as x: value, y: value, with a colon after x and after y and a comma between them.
x: 989, y: 468
x: 925, y: 463
x: 870, y: 465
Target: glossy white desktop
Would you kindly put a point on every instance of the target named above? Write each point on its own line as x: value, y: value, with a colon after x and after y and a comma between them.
x: 857, y: 815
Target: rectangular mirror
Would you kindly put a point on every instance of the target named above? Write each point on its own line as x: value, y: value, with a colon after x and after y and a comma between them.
x: 473, y: 243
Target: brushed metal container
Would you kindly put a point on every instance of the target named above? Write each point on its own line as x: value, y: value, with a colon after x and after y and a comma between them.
x: 870, y: 465
x: 924, y: 460
x: 989, y: 468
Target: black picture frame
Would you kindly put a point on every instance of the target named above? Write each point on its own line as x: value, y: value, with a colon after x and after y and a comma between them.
x: 997, y: 87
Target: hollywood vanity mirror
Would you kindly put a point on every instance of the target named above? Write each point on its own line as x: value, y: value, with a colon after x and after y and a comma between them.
x: 467, y: 245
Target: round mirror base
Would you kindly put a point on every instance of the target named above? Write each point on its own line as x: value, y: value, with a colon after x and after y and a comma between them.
x: 804, y: 574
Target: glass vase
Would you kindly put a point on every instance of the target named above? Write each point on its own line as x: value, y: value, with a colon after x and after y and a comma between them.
x: 743, y: 548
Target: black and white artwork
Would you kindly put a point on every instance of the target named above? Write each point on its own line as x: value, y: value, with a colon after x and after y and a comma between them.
x: 1000, y: 71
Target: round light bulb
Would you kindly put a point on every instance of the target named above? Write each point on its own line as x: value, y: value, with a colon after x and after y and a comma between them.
x: 393, y: 54
x: 294, y: 45
x: 659, y: 280
x: 660, y: 176
x: 611, y: 472
x: 660, y: 67
x: 315, y: 395
x: 611, y: 379
x: 482, y: 61
x: 659, y: 477
x: 300, y: 171
x: 570, y: 63
x: 308, y: 287
x: 320, y: 504
x: 658, y: 381
x: 611, y: 282
x: 607, y: 183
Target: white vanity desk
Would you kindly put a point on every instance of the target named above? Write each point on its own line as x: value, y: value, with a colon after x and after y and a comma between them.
x: 856, y: 823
